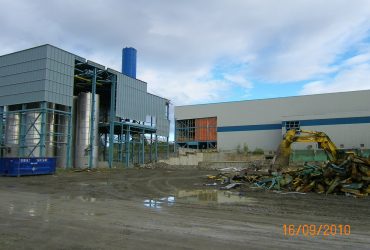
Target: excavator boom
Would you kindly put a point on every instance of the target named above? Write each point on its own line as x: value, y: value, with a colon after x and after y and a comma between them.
x: 283, y: 153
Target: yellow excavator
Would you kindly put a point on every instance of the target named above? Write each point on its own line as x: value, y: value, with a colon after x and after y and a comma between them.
x: 335, y: 156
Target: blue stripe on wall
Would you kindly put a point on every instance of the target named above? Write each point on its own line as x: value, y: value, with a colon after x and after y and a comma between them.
x: 335, y: 121
x: 314, y: 122
x: 248, y: 127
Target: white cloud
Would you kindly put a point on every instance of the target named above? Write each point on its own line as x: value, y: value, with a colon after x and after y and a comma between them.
x: 179, y: 42
x: 239, y: 80
x: 184, y: 88
x: 356, y: 78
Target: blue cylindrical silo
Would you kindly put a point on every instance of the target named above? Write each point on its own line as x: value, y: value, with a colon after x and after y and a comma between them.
x: 129, y: 62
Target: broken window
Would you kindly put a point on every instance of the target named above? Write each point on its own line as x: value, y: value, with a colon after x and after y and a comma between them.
x: 292, y: 125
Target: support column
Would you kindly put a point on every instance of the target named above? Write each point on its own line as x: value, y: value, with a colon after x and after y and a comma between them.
x: 69, y: 138
x: 112, y: 115
x: 151, y: 139
x: 92, y: 119
x: 1, y: 130
x: 106, y: 143
x: 22, y: 132
x: 120, y: 145
x: 127, y: 146
x: 143, y: 148
x: 168, y: 148
x: 43, y: 130
x: 175, y: 137
x: 156, y: 147
x: 151, y: 147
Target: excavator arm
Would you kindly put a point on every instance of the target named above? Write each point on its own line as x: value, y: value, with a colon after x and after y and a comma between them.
x: 284, y: 149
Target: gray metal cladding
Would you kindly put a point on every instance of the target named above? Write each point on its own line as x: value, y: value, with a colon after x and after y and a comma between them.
x: 131, y: 95
x: 135, y: 103
x: 23, y: 56
x: 43, y: 73
x: 59, y: 76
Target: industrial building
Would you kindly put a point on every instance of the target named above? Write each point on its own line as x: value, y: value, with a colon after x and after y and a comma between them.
x: 54, y: 103
x: 261, y: 124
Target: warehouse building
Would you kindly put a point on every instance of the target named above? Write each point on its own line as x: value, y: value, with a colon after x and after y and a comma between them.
x: 261, y: 124
x: 54, y: 103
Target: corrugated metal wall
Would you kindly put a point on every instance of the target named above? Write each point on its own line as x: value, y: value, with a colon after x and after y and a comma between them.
x: 22, y: 76
x: 59, y: 76
x: 135, y: 103
x: 38, y: 74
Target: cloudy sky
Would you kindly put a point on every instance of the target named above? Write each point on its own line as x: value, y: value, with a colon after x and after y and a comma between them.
x: 207, y: 50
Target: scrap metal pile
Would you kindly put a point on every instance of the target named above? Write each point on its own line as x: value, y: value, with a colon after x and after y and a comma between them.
x: 351, y: 177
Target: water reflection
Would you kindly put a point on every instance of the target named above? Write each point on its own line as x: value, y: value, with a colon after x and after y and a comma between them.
x: 158, y: 203
x: 199, y: 197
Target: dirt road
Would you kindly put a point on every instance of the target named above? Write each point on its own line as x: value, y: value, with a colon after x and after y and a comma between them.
x: 166, y: 209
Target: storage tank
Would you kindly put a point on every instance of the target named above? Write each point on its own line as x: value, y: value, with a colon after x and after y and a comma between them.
x: 82, y: 147
x: 61, y: 139
x: 12, y: 128
x: 33, y: 129
x: 129, y: 62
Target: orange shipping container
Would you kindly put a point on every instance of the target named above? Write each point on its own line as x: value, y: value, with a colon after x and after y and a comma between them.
x: 206, y: 129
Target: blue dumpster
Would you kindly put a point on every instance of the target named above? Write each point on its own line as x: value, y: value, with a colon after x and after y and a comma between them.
x: 27, y: 166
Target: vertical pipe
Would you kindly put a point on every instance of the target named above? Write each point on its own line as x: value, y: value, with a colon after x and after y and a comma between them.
x: 43, y: 129
x: 175, y: 136
x: 168, y: 148
x: 138, y: 150
x: 120, y: 145
x: 143, y: 148
x: 112, y: 114
x: 69, y: 138
x: 1, y: 129
x: 105, y: 146
x: 156, y: 147
x: 151, y: 139
x: 22, y: 132
x: 127, y: 146
x: 92, y: 119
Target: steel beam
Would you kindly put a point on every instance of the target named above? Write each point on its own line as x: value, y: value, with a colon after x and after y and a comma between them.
x: 112, y: 115
x: 69, y: 138
x: 127, y: 146
x: 168, y: 148
x: 156, y: 147
x: 143, y: 148
x: 43, y: 130
x: 22, y: 132
x: 120, y: 145
x: 92, y: 118
x: 1, y: 130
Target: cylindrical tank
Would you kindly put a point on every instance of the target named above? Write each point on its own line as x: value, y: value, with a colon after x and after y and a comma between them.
x: 32, y: 138
x: 33, y: 134
x: 129, y: 62
x: 11, y: 134
x: 61, y: 139
x: 83, y: 127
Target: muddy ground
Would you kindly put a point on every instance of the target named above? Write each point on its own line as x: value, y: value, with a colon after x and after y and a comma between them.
x: 166, y: 209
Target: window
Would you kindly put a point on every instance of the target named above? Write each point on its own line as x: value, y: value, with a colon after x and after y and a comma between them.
x: 292, y: 125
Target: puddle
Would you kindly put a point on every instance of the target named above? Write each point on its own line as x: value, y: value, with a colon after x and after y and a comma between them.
x: 158, y: 203
x: 199, y: 197
x: 83, y: 198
